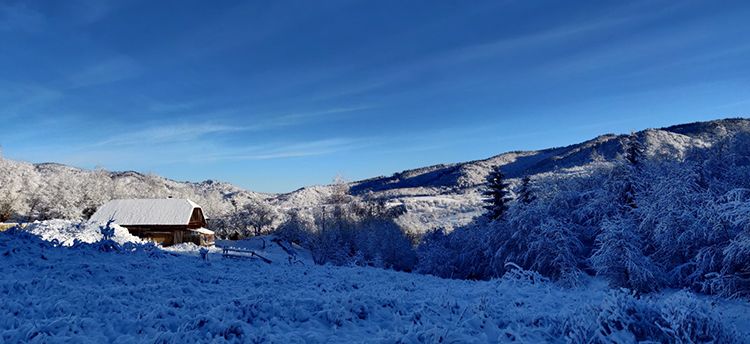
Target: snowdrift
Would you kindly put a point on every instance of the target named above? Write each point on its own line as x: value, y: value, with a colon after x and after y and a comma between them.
x: 66, y: 232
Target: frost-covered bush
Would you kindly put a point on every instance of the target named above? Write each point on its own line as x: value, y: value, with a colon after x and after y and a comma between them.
x: 297, y: 228
x: 434, y: 253
x: 689, y: 320
x: 252, y: 219
x: 623, y: 317
x: 555, y: 251
x: 373, y: 242
x: 620, y: 259
x: 332, y: 245
x: 462, y: 254
x: 383, y: 243
x: 106, y: 244
x: 348, y: 231
x: 470, y: 259
x: 734, y: 278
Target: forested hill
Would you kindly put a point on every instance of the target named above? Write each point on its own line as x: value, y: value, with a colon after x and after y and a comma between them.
x: 441, y: 195
x: 672, y: 141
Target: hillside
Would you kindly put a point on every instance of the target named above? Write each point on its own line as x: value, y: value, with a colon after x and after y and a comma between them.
x: 448, y: 195
x: 441, y: 195
x: 95, y: 293
x: 65, y: 191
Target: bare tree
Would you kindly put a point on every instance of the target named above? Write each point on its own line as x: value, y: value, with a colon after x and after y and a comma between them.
x: 254, y: 218
x: 36, y: 207
x: 339, y: 192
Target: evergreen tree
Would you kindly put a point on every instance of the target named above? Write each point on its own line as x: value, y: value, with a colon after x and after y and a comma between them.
x: 633, y: 150
x: 496, y: 194
x: 633, y: 161
x: 525, y: 195
x: 435, y: 254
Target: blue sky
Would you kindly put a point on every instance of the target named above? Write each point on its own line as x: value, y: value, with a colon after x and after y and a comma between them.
x: 275, y: 95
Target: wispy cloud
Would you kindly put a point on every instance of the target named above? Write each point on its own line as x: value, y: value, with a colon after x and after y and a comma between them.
x: 290, y: 119
x: 288, y: 150
x: 198, y: 153
x: 184, y: 132
x: 113, y: 69
x: 507, y: 49
x: 168, y: 134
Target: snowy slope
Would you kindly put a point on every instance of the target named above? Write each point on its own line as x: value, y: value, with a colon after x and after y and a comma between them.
x: 59, y: 294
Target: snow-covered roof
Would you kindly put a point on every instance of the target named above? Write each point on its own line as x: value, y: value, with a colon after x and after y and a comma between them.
x: 202, y: 231
x: 170, y: 211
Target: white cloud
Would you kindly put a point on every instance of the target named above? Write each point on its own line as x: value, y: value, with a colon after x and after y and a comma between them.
x: 190, y: 132
x: 288, y: 150
x: 167, y: 134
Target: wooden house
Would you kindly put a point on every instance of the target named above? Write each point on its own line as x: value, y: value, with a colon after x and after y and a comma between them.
x: 164, y: 221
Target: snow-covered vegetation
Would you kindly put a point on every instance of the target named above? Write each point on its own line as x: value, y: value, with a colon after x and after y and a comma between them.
x: 643, y: 224
x: 437, y: 196
x: 347, y: 230
x: 138, y: 293
x: 67, y: 232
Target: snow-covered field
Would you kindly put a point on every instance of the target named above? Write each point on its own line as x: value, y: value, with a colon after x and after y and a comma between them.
x: 81, y: 294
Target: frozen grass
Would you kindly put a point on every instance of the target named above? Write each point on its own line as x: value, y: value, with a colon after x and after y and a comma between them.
x: 143, y: 294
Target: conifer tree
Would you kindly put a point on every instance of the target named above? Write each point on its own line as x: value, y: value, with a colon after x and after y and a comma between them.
x: 633, y: 151
x: 525, y: 195
x: 496, y: 194
x: 633, y: 161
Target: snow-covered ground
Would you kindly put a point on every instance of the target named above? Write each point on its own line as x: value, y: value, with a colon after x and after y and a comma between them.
x: 267, y: 247
x: 82, y: 294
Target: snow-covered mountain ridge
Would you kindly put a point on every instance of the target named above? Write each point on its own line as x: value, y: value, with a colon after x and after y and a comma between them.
x: 447, y: 195
x: 441, y: 195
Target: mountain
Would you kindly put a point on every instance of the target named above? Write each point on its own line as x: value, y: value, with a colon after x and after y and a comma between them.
x: 448, y: 195
x: 442, y: 195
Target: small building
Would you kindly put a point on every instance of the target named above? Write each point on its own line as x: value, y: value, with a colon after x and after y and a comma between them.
x: 165, y: 221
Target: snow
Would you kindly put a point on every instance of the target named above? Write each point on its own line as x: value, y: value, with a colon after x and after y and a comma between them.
x: 67, y: 232
x: 189, y: 248
x: 167, y: 211
x: 448, y: 211
x: 202, y: 231
x: 61, y: 294
x: 267, y: 247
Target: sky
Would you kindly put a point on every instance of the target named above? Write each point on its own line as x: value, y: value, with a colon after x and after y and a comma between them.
x: 276, y: 95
